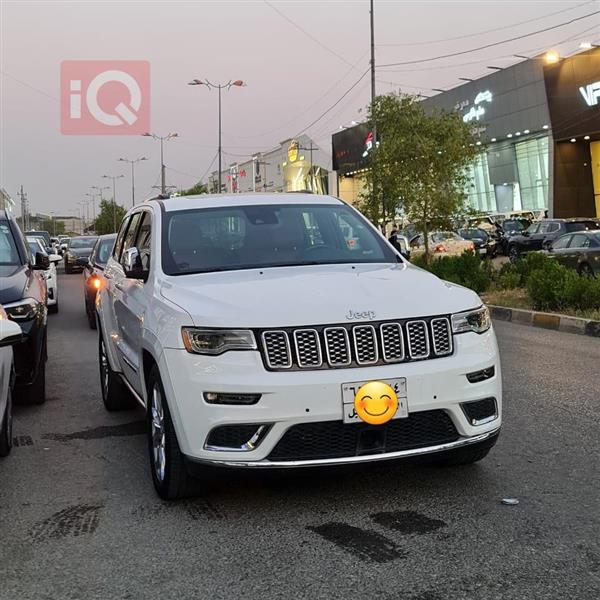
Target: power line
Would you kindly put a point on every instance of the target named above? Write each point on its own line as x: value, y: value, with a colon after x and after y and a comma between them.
x: 490, y: 45
x: 495, y: 29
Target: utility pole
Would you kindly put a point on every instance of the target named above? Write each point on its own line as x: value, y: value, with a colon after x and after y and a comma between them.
x: 310, y: 149
x: 372, y: 53
x: 164, y: 138
x: 24, y: 211
x: 132, y: 163
x: 114, y: 199
x: 219, y: 87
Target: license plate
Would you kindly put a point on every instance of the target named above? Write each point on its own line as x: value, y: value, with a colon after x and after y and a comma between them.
x: 482, y: 250
x: 349, y: 392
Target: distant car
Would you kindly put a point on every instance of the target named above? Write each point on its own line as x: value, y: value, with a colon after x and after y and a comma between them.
x: 580, y: 251
x: 51, y: 275
x: 10, y: 333
x: 93, y: 274
x: 43, y: 234
x: 63, y: 242
x: 441, y: 243
x: 78, y: 252
x: 541, y: 234
x: 23, y: 294
x: 485, y: 244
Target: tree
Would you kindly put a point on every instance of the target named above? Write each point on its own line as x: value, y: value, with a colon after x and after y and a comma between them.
x: 199, y: 188
x: 419, y: 166
x: 52, y: 226
x: 110, y: 217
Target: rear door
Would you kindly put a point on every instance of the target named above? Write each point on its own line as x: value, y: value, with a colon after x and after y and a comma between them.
x: 578, y: 250
x: 560, y: 250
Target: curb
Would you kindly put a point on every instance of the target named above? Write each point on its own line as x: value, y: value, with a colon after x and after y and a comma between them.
x: 552, y: 321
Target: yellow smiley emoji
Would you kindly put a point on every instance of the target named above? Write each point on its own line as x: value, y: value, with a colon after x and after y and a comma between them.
x: 376, y: 402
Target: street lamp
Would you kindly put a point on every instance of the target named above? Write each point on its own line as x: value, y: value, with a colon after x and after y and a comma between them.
x: 165, y: 138
x: 132, y: 163
x: 218, y: 86
x: 114, y: 178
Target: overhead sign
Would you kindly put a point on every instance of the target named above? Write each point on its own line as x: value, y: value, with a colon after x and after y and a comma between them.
x: 591, y: 93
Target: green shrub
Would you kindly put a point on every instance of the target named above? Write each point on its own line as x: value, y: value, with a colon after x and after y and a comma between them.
x: 467, y: 269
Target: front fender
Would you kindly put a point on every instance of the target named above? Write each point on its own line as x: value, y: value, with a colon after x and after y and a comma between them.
x: 107, y: 328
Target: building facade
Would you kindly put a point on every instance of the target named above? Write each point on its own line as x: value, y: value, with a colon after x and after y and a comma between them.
x: 294, y: 165
x: 539, y: 127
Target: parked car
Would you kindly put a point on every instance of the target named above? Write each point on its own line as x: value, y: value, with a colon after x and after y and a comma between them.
x: 78, y: 252
x: 10, y: 334
x: 580, y: 251
x: 485, y: 244
x: 93, y: 274
x: 441, y: 243
x: 541, y: 234
x: 51, y: 274
x: 252, y: 345
x: 23, y: 294
x: 507, y: 228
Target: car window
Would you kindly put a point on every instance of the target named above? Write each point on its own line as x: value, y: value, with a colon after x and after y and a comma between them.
x: 580, y: 226
x: 533, y: 228
x: 143, y: 239
x: 102, y: 250
x: 129, y: 240
x: 245, y: 237
x: 8, y: 250
x: 561, y: 242
x: 120, y: 238
x: 579, y: 240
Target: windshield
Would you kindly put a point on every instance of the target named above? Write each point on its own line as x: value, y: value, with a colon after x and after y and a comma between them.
x: 512, y: 225
x: 440, y: 236
x: 8, y: 250
x: 247, y: 237
x: 473, y: 234
x: 82, y: 242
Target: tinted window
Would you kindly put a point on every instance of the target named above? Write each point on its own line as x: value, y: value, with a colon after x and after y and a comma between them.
x: 580, y: 240
x: 129, y: 240
x: 580, y: 226
x: 143, y: 239
x: 82, y: 242
x: 247, y: 237
x: 473, y: 234
x: 8, y: 250
x: 120, y: 237
x: 103, y: 250
x: 561, y: 242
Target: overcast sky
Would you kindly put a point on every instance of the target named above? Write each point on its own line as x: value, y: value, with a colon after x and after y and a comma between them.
x: 296, y: 65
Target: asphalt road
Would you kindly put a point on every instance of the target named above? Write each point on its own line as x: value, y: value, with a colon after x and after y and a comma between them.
x: 79, y: 517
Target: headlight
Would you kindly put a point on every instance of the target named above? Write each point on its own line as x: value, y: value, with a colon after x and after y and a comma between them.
x: 217, y: 341
x: 477, y: 320
x: 23, y: 310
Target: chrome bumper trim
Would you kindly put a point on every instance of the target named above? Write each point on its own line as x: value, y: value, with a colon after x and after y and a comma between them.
x: 348, y: 460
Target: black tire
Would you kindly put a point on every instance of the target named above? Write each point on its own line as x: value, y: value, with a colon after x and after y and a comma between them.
x: 91, y: 319
x: 466, y: 455
x: 67, y: 268
x: 169, y: 473
x: 6, y: 427
x: 53, y: 308
x: 586, y: 271
x: 115, y: 394
x: 35, y: 392
x: 513, y: 253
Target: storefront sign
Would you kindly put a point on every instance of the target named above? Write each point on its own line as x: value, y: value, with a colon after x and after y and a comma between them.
x: 477, y: 110
x: 591, y: 93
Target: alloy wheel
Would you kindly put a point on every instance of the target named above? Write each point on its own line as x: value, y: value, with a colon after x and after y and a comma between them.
x: 158, y: 439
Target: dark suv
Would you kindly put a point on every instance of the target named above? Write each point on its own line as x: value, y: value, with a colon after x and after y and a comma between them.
x: 23, y: 294
x: 540, y: 235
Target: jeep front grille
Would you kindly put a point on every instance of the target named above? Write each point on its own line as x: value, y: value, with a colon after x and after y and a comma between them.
x: 364, y: 344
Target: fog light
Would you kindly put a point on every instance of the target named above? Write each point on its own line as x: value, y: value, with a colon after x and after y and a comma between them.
x: 482, y: 375
x: 220, y: 398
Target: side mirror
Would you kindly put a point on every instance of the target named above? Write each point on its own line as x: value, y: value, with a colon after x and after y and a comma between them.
x: 132, y: 264
x: 55, y: 258
x: 10, y: 333
x: 42, y: 262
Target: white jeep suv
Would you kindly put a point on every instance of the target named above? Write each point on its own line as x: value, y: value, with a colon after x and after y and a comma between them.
x: 249, y: 325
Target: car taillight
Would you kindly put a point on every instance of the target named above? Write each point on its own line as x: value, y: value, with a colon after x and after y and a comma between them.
x: 440, y: 248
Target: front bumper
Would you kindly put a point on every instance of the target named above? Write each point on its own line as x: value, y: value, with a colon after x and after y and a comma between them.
x: 300, y: 397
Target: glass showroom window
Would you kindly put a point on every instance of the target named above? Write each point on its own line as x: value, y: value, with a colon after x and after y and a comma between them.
x: 532, y: 164
x: 480, y: 192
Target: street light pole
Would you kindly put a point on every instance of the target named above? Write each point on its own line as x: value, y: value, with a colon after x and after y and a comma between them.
x: 165, y: 138
x: 114, y: 178
x: 132, y: 163
x: 219, y: 87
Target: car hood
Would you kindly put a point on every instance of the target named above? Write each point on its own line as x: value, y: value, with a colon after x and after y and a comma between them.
x: 13, y: 280
x: 293, y: 296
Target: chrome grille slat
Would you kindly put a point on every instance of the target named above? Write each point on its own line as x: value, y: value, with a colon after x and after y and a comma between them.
x: 308, y: 348
x: 277, y: 349
x: 337, y: 346
x: 418, y: 339
x: 358, y: 345
x: 392, y: 342
x: 441, y: 334
x: 365, y: 344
